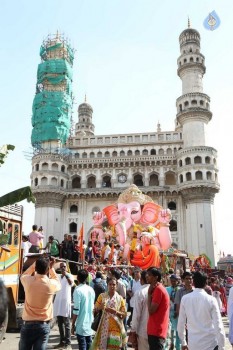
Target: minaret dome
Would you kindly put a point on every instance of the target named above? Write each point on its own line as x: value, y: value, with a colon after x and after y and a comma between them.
x: 85, y: 119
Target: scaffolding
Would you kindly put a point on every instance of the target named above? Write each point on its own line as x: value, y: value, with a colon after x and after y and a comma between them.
x: 53, y: 102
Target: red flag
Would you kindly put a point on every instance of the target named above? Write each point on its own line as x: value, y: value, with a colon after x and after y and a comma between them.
x: 81, y: 242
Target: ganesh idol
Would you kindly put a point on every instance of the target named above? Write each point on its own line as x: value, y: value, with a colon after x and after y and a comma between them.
x: 141, y: 227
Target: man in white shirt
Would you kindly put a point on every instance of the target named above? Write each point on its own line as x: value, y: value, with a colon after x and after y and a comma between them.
x: 141, y: 314
x: 201, y: 313
x: 133, y: 286
x: 62, y: 308
x: 230, y: 315
x: 25, y: 245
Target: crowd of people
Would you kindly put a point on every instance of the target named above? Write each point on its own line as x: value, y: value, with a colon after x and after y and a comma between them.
x: 145, y: 309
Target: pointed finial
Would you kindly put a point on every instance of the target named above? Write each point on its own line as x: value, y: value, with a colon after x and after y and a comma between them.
x: 189, y: 25
x: 85, y: 99
x: 158, y: 127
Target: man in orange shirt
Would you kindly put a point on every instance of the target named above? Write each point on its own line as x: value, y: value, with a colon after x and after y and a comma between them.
x: 38, y: 308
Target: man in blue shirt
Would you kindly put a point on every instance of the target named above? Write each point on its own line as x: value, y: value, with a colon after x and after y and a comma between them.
x: 83, y: 297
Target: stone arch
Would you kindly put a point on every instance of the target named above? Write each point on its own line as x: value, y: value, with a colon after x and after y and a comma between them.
x: 207, y: 160
x: 92, y: 155
x: 181, y: 178
x: 153, y: 152
x: 107, y: 154
x: 145, y: 152
x: 122, y: 153
x: 76, y: 182
x: 36, y: 181
x: 62, y: 183
x: 187, y: 161
x: 173, y: 225
x: 73, y: 227
x: 73, y: 208
x: 137, y: 152
x: 114, y: 153
x: 198, y: 175
x: 44, y: 166
x: 172, y: 205
x: 208, y: 175
x: 44, y: 181
x: 154, y: 180
x: 188, y: 176
x: 161, y: 152
x: 129, y: 153
x: 197, y: 160
x: 37, y: 167
x: 63, y: 168
x: 53, y: 181
x: 91, y: 181
x: 106, y: 181
x: 54, y: 166
x: 169, y: 151
x: 99, y: 154
x: 138, y: 180
x: 170, y: 178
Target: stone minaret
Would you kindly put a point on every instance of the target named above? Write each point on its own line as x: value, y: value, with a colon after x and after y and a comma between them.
x: 52, y: 109
x: 197, y: 163
x: 84, y: 125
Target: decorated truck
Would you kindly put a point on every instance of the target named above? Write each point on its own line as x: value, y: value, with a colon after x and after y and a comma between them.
x: 11, y: 217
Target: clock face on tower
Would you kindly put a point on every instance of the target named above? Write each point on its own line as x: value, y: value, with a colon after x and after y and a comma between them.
x: 122, y: 178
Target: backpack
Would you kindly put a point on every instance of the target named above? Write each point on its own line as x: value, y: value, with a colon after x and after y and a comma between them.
x: 98, y: 288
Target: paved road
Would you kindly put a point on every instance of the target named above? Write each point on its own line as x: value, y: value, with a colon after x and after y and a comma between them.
x: 12, y: 339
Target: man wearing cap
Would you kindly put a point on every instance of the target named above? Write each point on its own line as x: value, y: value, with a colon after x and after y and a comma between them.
x: 172, y: 289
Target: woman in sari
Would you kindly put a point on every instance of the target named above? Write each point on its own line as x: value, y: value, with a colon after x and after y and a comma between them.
x: 111, y: 333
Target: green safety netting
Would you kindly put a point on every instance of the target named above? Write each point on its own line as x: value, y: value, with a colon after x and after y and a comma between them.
x: 44, y: 50
x: 54, y: 67
x: 51, y: 110
x: 50, y: 131
x: 51, y: 116
x: 51, y: 98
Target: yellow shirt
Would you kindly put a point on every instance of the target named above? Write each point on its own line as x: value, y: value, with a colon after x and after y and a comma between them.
x: 39, y: 292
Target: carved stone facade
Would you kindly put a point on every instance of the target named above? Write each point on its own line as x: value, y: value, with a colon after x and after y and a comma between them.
x: 176, y: 169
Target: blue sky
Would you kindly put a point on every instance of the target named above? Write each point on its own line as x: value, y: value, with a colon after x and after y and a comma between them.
x: 125, y: 61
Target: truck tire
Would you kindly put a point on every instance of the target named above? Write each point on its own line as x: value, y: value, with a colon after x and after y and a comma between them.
x: 3, y: 328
